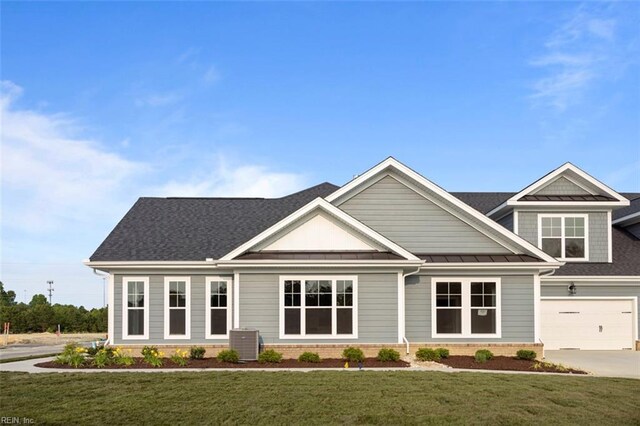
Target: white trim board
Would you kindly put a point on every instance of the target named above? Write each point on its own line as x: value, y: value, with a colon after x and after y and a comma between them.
x: 357, y: 184
x: 323, y: 205
x: 208, y: 307
x: 187, y: 308
x: 125, y: 316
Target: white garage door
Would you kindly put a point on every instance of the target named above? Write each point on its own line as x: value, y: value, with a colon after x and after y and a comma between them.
x: 587, y: 324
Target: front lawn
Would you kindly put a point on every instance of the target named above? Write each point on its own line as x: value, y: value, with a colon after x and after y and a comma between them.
x: 317, y: 397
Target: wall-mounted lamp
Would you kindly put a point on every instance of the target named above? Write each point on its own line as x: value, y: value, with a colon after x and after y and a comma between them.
x: 572, y: 289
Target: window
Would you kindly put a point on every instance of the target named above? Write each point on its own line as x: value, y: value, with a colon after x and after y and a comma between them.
x: 323, y: 306
x: 466, y: 307
x: 135, y: 308
x: 218, y: 307
x: 563, y: 236
x: 177, y: 308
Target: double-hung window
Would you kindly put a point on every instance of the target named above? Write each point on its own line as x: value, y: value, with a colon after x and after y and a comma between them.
x: 465, y: 307
x: 218, y: 307
x: 135, y: 308
x: 563, y: 236
x: 177, y: 307
x: 318, y: 306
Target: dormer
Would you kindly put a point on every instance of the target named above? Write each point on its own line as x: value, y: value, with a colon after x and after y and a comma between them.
x: 566, y: 213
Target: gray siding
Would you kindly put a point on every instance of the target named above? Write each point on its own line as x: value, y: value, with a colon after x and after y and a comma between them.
x: 415, y: 223
x: 561, y: 186
x: 594, y: 291
x: 517, y: 310
x: 507, y: 221
x: 156, y: 312
x: 598, y: 232
x: 377, y: 308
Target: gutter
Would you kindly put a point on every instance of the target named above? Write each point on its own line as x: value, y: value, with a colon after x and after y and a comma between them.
x: 404, y: 281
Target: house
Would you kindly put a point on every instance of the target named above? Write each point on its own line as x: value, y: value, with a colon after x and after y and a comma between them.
x: 389, y: 259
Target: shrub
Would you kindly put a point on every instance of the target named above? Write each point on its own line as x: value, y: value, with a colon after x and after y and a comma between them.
x: 443, y: 352
x: 120, y: 357
x: 526, y: 354
x: 309, y: 357
x: 91, y: 351
x: 72, y: 355
x: 270, y: 356
x: 180, y: 357
x: 229, y: 355
x: 197, y: 352
x: 102, y: 358
x: 152, y: 356
x: 388, y: 354
x: 427, y: 354
x: 353, y: 354
x: 483, y: 355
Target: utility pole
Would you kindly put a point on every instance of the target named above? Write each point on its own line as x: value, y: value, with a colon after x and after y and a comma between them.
x: 50, y: 290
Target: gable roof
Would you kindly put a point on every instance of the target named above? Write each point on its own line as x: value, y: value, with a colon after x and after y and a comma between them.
x: 317, y: 205
x: 196, y: 228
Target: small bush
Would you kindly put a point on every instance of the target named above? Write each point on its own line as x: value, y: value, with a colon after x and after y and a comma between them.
x: 72, y: 355
x: 229, y: 355
x: 443, y: 352
x: 427, y: 354
x: 526, y: 354
x: 309, y: 357
x: 91, y: 351
x: 270, y: 356
x: 483, y: 355
x: 120, y: 357
x: 180, y: 357
x: 152, y: 356
x: 103, y: 358
x: 388, y: 354
x: 197, y: 352
x: 353, y: 354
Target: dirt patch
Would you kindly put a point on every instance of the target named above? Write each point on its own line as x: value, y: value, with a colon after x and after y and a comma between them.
x: 214, y: 363
x: 50, y: 339
x: 507, y: 363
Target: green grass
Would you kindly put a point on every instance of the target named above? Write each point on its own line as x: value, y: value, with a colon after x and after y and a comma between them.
x: 317, y: 398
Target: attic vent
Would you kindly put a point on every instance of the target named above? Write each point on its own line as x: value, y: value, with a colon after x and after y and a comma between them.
x: 245, y: 341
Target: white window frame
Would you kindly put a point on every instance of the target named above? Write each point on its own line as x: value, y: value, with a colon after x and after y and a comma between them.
x: 334, y: 308
x: 207, y: 320
x: 125, y: 307
x: 562, y: 217
x: 466, y: 308
x: 187, y: 308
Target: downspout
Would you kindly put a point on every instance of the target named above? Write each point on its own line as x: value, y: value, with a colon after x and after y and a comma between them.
x: 104, y: 276
x: 541, y: 274
x: 404, y: 277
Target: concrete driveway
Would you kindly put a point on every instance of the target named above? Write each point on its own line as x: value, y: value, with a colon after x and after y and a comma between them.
x: 600, y: 363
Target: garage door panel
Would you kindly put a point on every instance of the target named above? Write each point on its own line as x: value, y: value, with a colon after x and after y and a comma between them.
x: 587, y: 324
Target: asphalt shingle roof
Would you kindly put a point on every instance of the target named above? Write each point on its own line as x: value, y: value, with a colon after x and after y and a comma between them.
x: 197, y: 228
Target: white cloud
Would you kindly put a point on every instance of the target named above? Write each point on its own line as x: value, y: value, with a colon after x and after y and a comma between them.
x: 576, y: 55
x: 158, y: 99
x: 211, y: 76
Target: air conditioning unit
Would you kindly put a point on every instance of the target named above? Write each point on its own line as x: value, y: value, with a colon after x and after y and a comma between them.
x: 246, y: 342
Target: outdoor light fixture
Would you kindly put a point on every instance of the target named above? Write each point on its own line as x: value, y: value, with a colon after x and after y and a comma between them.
x: 572, y: 289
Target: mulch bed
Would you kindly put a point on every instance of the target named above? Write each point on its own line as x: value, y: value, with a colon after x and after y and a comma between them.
x: 504, y: 363
x: 214, y: 363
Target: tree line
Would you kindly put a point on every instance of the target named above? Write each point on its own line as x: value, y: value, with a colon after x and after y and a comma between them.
x: 40, y: 316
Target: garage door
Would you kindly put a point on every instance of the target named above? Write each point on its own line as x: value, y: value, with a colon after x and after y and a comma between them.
x: 587, y: 324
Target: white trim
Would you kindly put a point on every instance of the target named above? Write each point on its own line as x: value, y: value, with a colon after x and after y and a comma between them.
x: 633, y: 299
x: 402, y: 169
x: 631, y: 281
x: 187, y: 308
x: 609, y: 238
x: 537, y: 323
x: 125, y: 316
x: 108, y: 265
x: 622, y: 201
x: 401, y: 308
x: 333, y: 279
x: 608, y: 278
x: 236, y: 300
x: 111, y: 321
x: 515, y: 222
x: 207, y: 306
x: 466, y: 308
x: 627, y: 218
x: 563, y: 217
x: 320, y: 204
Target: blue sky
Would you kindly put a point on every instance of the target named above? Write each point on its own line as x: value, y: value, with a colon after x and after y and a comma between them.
x: 106, y: 102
